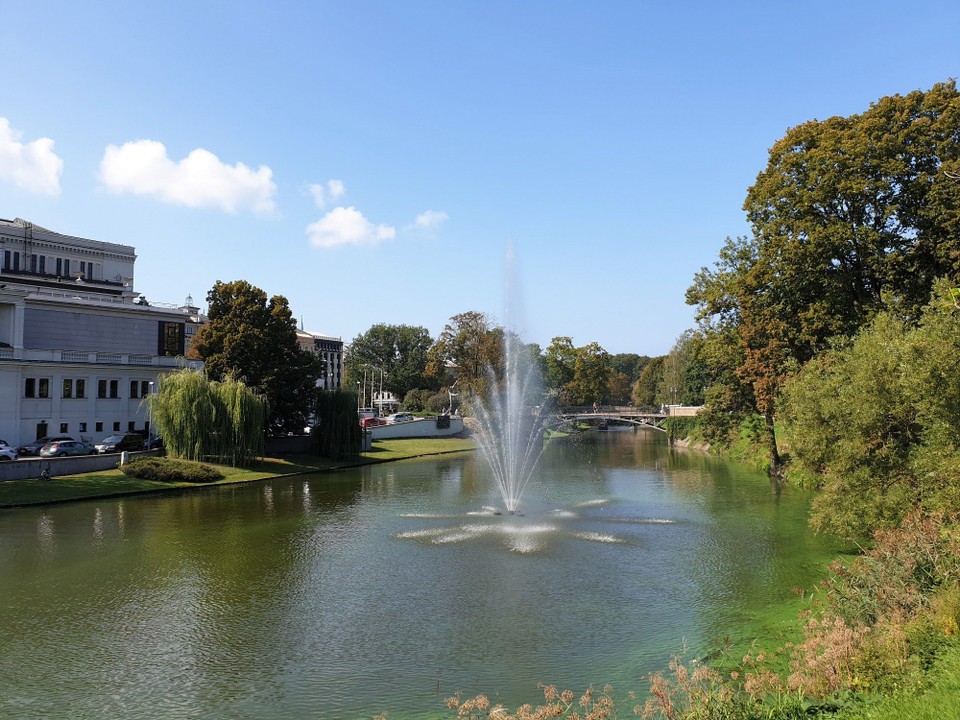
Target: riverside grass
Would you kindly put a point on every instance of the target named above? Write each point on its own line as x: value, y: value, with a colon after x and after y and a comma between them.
x: 112, y: 483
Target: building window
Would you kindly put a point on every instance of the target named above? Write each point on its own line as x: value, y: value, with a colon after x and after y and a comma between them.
x: 101, y: 388
x: 81, y: 388
x: 114, y: 388
x: 66, y: 268
x: 99, y: 427
x: 134, y: 389
x: 59, y: 267
x: 131, y: 426
x: 83, y: 427
x: 171, y: 339
x: 116, y: 427
x: 67, y: 388
x: 36, y: 388
x: 145, y: 388
x: 64, y: 427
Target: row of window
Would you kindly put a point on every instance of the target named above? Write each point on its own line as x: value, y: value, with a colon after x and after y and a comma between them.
x: 82, y: 427
x: 77, y: 388
x: 62, y: 267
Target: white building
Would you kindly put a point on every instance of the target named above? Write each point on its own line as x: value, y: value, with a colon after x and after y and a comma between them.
x: 78, y: 349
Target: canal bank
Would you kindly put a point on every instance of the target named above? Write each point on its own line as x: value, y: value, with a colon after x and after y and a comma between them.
x: 106, y: 483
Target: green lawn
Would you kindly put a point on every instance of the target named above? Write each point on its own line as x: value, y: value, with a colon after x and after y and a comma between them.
x: 113, y: 482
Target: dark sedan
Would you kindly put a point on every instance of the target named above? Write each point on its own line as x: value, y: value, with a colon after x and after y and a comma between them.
x: 120, y: 443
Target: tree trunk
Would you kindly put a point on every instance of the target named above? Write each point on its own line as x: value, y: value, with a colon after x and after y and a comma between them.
x: 776, y: 471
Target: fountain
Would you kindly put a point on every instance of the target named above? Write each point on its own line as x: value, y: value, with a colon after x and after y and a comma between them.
x: 510, y: 433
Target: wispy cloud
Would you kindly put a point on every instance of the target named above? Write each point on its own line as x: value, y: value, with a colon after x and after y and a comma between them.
x: 347, y: 226
x: 199, y: 180
x: 431, y: 219
x: 331, y: 192
x: 35, y: 167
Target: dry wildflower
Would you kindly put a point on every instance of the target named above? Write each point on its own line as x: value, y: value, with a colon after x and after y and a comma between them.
x: 567, y: 696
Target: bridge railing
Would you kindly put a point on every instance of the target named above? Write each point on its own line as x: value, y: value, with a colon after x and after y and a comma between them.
x: 607, y: 410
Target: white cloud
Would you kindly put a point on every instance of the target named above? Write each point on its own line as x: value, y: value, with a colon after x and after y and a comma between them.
x: 33, y: 167
x: 347, y: 226
x: 431, y: 219
x: 333, y: 191
x: 199, y: 180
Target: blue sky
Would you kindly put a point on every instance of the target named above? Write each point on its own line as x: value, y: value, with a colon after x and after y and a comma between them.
x: 373, y: 161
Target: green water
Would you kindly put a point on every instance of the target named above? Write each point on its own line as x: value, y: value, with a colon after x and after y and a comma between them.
x: 391, y: 587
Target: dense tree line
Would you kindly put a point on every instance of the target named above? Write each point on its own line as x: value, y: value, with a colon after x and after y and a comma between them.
x: 852, y: 216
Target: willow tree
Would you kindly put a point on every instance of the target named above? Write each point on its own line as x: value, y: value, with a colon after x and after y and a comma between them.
x: 201, y: 419
x: 337, y: 432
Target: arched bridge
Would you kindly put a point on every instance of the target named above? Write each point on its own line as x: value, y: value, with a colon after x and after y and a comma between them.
x: 601, y: 415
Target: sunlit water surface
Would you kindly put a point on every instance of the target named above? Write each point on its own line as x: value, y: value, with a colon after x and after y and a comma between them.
x: 390, y: 587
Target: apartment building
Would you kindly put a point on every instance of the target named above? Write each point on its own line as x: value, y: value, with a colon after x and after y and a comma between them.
x: 79, y: 347
x: 330, y: 351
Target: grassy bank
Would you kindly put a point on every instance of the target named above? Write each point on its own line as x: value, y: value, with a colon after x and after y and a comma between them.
x: 108, y: 483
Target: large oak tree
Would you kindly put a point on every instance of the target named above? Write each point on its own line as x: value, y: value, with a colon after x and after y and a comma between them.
x: 254, y: 340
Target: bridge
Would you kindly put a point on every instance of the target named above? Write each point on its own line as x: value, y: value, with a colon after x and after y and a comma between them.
x: 602, y: 415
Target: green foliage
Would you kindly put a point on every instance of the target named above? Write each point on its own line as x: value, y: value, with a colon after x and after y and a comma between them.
x: 416, y: 400
x: 170, y: 470
x: 401, y: 351
x: 849, y: 214
x: 877, y: 421
x: 468, y: 348
x: 255, y: 340
x: 682, y: 427
x: 591, y: 375
x: 644, y: 391
x: 199, y: 419
x: 337, y: 433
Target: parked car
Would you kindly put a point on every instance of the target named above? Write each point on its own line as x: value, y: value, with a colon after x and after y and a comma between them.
x: 62, y: 448
x: 154, y: 442
x: 7, y: 453
x: 33, y: 448
x: 400, y: 417
x: 372, y: 422
x: 120, y: 443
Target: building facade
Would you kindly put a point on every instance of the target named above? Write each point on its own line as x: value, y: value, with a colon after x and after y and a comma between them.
x: 330, y: 351
x: 79, y: 348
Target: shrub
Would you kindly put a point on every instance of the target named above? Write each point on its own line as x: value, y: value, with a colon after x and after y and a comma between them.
x: 171, y: 470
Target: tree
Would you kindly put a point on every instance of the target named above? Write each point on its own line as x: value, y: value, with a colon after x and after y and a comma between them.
x: 469, y: 348
x: 644, y: 391
x: 255, y: 341
x: 630, y: 364
x: 875, y: 423
x: 400, y: 351
x: 559, y: 360
x: 846, y: 213
x: 337, y: 433
x: 591, y: 375
x: 204, y: 420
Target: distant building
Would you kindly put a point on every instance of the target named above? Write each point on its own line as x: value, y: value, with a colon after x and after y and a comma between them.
x: 79, y: 348
x: 330, y: 351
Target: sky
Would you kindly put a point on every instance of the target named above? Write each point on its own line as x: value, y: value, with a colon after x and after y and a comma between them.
x: 377, y: 162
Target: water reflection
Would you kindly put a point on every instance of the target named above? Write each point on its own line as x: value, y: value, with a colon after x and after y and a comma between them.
x: 350, y: 594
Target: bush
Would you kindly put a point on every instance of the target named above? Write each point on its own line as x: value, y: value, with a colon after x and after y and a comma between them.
x: 171, y: 470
